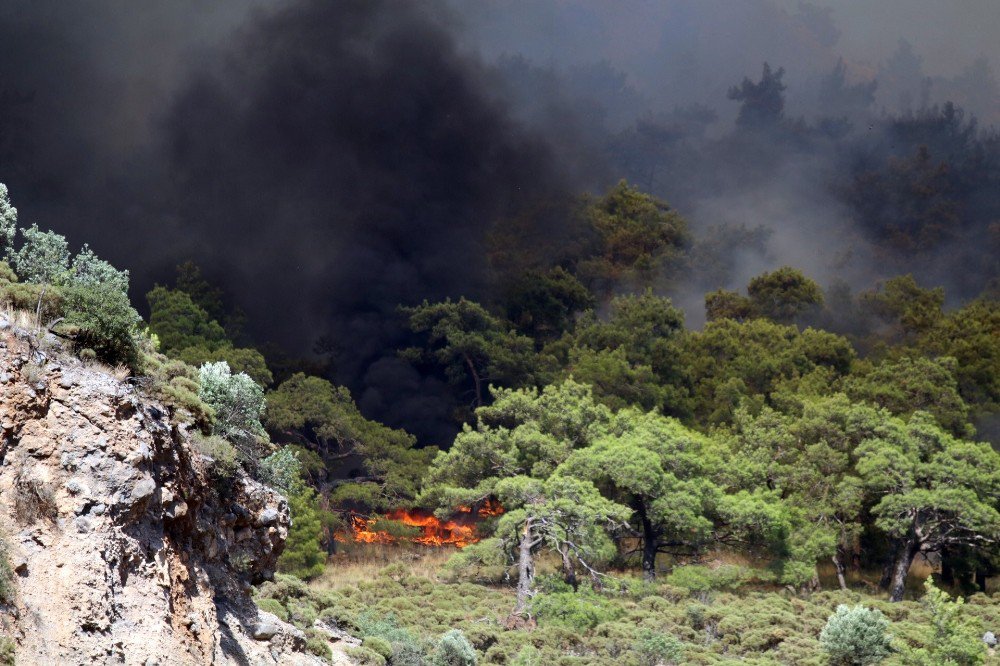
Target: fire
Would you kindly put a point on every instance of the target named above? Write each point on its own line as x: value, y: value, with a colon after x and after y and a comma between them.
x: 460, y: 532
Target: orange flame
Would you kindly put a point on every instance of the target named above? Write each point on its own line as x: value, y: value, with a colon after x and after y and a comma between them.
x: 433, y: 531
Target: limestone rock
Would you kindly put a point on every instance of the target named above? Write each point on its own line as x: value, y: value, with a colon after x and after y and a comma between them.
x: 123, y: 558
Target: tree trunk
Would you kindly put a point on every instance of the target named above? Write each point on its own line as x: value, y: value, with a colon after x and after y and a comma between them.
x: 980, y: 580
x: 886, y: 578
x: 838, y: 562
x: 569, y: 571
x: 947, y: 571
x: 525, y: 570
x: 901, y: 567
x: 477, y: 382
x: 650, y: 545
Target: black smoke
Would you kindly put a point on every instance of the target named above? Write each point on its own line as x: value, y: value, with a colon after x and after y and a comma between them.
x: 327, y: 161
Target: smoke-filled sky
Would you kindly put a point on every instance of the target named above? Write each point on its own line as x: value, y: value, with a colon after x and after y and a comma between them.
x: 326, y: 161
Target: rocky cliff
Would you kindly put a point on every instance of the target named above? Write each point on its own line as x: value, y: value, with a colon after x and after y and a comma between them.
x: 122, y: 550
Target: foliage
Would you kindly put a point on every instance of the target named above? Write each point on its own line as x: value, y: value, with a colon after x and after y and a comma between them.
x: 304, y: 555
x: 638, y: 236
x: 281, y: 470
x: 473, y: 347
x: 8, y: 589
x: 955, y: 636
x: 783, y: 295
x: 453, y: 649
x: 43, y: 257
x: 238, y: 404
x: 856, y: 636
x: 105, y: 321
x: 656, y: 648
x: 323, y: 419
x: 8, y: 220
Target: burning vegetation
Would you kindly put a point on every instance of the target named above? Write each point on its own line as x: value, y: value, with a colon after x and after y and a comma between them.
x: 423, y: 527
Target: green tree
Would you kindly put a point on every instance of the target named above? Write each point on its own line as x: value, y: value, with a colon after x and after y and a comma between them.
x: 43, y: 257
x: 934, y: 491
x: 639, y: 238
x: 783, y: 295
x: 473, y: 347
x: 762, y: 103
x: 913, y: 383
x: 901, y: 302
x: 179, y: 323
x: 304, y: 555
x: 323, y: 418
x: 632, y: 356
x: 664, y: 472
x: 510, y: 455
x: 730, y: 361
x: 724, y: 304
x: 104, y: 320
x: 543, y: 304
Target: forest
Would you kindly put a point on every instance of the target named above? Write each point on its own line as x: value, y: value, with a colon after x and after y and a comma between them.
x: 657, y: 389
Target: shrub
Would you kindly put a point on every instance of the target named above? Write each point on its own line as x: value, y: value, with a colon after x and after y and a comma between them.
x: 225, y: 460
x: 238, y: 403
x: 281, y: 470
x: 317, y: 644
x: 43, y: 257
x: 8, y: 219
x: 106, y: 322
x: 700, y: 580
x: 956, y: 637
x: 7, y: 652
x: 453, y: 649
x: 856, y: 636
x: 581, y: 611
x: 377, y: 644
x: 365, y: 657
x: 34, y: 499
x: 274, y: 607
x: 7, y: 589
x: 527, y: 656
x: 657, y: 648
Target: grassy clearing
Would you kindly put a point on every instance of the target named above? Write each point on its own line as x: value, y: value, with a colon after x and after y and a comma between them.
x: 411, y: 593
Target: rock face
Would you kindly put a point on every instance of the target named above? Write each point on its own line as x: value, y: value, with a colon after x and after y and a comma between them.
x: 124, y: 550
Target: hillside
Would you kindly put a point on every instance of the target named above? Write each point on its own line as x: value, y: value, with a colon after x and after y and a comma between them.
x: 120, y: 550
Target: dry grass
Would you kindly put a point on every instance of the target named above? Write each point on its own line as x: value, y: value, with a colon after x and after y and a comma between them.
x: 359, y: 562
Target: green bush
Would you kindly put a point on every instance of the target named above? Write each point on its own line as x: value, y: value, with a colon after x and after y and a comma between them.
x: 7, y: 652
x: 956, y: 635
x: 225, y: 459
x: 238, y: 403
x: 317, y: 644
x: 657, y: 648
x: 700, y: 580
x: 377, y: 644
x: 106, y: 322
x: 274, y: 607
x: 454, y: 649
x: 7, y: 588
x: 581, y: 611
x: 365, y: 657
x: 43, y: 257
x: 856, y: 636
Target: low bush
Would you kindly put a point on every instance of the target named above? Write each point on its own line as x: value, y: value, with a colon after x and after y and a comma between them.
x: 454, y: 649
x: 365, y: 657
x: 856, y: 636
